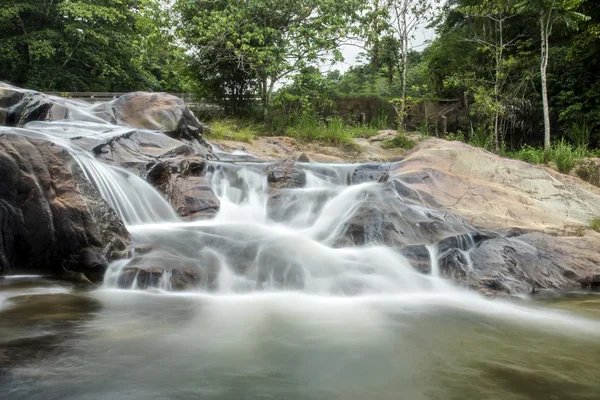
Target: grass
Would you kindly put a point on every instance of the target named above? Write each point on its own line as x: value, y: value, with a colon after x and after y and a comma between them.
x: 229, y: 129
x: 563, y: 154
x: 595, y: 224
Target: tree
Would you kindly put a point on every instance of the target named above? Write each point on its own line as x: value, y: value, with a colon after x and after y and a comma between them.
x: 267, y: 39
x: 74, y: 45
x: 550, y: 13
x: 495, y: 42
x: 408, y: 16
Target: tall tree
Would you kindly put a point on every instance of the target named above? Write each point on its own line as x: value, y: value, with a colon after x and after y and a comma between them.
x: 270, y: 39
x: 408, y: 16
x: 495, y: 42
x: 73, y: 45
x: 549, y: 13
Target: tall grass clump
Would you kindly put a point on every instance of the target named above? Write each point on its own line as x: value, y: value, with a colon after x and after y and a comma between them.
x: 333, y: 131
x: 566, y: 156
x: 229, y: 129
x: 580, y: 131
x: 480, y: 137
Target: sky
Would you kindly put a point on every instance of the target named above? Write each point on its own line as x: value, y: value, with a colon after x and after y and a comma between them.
x: 351, y: 52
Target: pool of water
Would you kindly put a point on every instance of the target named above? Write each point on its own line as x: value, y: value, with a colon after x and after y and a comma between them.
x: 60, y: 341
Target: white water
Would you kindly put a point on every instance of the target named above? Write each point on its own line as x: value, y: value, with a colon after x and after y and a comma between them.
x: 292, y: 302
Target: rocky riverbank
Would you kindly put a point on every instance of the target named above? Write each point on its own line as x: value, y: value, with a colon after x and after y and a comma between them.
x: 498, y: 226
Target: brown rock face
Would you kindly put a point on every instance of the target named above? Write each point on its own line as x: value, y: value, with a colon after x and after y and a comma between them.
x: 494, y: 192
x: 153, y: 111
x: 51, y: 218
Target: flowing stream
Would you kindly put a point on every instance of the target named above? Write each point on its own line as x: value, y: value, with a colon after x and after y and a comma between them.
x: 289, y: 306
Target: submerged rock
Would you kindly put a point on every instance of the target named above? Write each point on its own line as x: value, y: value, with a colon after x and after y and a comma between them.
x: 51, y: 218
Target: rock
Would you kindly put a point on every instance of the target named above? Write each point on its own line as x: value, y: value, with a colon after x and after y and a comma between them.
x: 186, y: 187
x: 371, y: 172
x: 303, y: 158
x: 51, y: 218
x: 493, y: 192
x: 153, y: 111
x: 175, y: 168
x: 19, y: 106
x: 285, y: 175
x: 524, y: 264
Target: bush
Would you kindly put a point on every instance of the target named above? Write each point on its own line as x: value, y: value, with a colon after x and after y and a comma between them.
x: 580, y: 131
x: 456, y: 136
x: 528, y: 154
x: 399, y: 141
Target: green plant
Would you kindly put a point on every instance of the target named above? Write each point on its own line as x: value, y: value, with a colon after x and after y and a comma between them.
x: 426, y: 129
x: 595, y: 224
x: 580, y: 131
x: 399, y: 141
x: 237, y: 130
x: 565, y: 156
x: 528, y: 154
x: 456, y: 136
x: 333, y: 131
x: 480, y: 137
x: 381, y: 122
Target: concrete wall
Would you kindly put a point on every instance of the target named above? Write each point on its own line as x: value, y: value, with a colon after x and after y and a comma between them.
x: 440, y: 115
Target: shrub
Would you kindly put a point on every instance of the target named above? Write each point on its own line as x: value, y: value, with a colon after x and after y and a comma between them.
x: 528, y: 154
x: 580, y: 131
x: 456, y: 136
x: 334, y: 131
x: 399, y: 141
x: 480, y: 137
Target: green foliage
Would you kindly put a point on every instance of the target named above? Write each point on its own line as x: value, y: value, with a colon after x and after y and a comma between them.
x: 62, y: 45
x: 267, y: 39
x: 480, y: 137
x: 595, y: 224
x: 229, y: 129
x: 456, y: 136
x: 528, y: 154
x: 334, y: 131
x: 399, y: 141
x: 565, y: 156
x: 580, y: 131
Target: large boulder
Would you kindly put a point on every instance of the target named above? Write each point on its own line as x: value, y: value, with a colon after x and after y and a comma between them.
x: 494, y: 192
x: 52, y: 220
x: 20, y: 106
x: 153, y: 111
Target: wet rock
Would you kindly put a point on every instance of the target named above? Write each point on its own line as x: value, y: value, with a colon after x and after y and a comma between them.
x: 51, y: 218
x: 20, y: 106
x: 153, y: 111
x: 371, y: 172
x: 186, y: 187
x: 286, y: 175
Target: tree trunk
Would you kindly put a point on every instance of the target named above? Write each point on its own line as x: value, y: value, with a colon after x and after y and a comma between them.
x: 543, y: 70
x: 404, y: 66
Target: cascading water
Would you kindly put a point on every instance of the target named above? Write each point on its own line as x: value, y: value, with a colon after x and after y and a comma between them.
x: 295, y: 293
